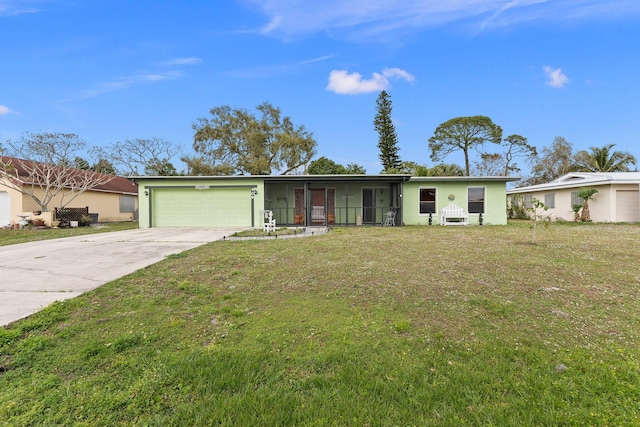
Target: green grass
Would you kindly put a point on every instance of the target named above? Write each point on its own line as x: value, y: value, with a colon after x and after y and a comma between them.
x: 12, y: 237
x: 425, y: 326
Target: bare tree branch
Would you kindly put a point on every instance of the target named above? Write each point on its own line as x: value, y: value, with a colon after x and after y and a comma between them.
x: 141, y: 156
x: 39, y: 167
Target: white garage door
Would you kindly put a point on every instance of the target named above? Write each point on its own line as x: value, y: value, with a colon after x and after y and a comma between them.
x: 627, y: 206
x: 213, y: 207
x: 5, y: 208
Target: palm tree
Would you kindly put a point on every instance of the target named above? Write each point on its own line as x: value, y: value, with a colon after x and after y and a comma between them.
x: 444, y: 169
x: 586, y: 194
x: 604, y: 160
x: 576, y: 212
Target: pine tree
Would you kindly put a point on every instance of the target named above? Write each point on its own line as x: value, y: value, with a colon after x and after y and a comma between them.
x: 387, y: 140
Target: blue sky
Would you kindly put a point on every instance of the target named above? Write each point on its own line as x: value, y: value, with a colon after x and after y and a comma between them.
x: 120, y: 69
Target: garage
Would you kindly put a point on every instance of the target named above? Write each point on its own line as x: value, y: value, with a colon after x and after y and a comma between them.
x: 201, y: 206
x: 627, y: 206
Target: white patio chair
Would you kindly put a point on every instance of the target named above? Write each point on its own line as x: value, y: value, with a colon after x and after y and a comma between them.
x: 390, y: 221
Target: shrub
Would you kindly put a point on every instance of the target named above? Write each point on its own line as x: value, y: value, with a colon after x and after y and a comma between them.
x: 516, y: 209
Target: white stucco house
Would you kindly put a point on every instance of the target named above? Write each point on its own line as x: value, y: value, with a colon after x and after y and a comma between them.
x: 617, y: 199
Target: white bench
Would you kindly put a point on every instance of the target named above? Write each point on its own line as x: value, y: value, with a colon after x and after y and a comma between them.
x: 453, y: 215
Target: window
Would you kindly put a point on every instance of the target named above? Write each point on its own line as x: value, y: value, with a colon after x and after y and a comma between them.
x: 475, y: 197
x: 575, y: 200
x: 528, y: 201
x: 127, y: 204
x: 427, y: 200
x: 550, y: 200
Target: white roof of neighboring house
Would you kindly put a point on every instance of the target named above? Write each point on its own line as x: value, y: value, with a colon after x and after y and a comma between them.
x: 582, y: 179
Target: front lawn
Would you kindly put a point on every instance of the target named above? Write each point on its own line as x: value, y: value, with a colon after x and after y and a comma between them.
x: 425, y: 326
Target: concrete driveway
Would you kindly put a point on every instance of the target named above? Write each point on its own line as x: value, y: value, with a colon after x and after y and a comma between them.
x: 35, y: 274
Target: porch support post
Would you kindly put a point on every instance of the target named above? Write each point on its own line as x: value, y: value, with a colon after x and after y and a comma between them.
x: 253, y: 210
x: 401, y: 202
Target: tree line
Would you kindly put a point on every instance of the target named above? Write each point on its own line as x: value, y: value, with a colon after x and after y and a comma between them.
x: 234, y: 141
x: 471, y: 134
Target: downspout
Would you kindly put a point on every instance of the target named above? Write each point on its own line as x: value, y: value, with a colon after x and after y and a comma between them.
x: 254, y: 191
x: 253, y: 213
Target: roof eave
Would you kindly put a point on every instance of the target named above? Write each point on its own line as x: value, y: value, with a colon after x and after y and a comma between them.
x: 466, y: 178
x: 342, y: 177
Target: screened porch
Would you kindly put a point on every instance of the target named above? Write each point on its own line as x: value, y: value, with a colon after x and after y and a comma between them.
x: 335, y: 202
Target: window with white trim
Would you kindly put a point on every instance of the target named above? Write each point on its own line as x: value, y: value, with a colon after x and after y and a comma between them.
x: 475, y: 200
x: 427, y: 201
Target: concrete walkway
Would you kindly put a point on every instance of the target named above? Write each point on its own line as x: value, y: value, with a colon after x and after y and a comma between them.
x: 35, y: 274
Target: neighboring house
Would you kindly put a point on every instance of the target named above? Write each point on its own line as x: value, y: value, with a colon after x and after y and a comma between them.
x: 316, y: 200
x: 117, y: 200
x: 617, y: 199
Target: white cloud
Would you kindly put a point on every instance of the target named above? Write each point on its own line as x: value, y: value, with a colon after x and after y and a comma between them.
x: 505, y: 8
x: 340, y: 81
x: 375, y: 19
x: 16, y: 7
x: 184, y: 61
x: 557, y: 78
x: 271, y: 26
x: 4, y: 110
x: 398, y: 72
x: 319, y: 59
x: 276, y: 69
x: 124, y: 83
x: 343, y: 82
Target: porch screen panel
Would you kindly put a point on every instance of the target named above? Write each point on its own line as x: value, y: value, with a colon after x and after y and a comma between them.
x: 318, y: 216
x: 299, y: 216
x: 331, y: 205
